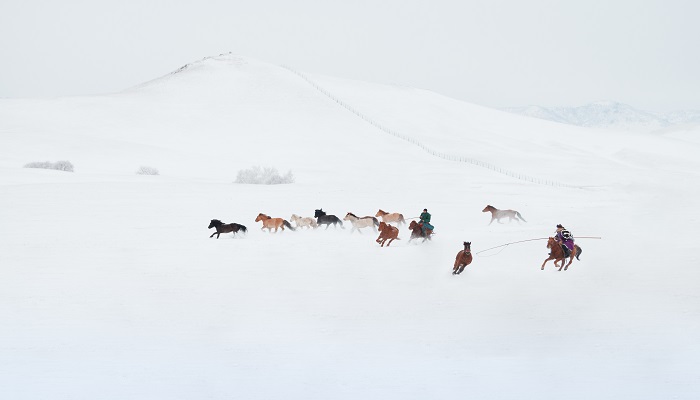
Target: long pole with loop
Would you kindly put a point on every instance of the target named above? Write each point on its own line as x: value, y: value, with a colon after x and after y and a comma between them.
x: 530, y: 240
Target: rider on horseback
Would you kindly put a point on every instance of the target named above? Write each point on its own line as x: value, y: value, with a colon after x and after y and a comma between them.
x: 425, y: 223
x: 565, y: 238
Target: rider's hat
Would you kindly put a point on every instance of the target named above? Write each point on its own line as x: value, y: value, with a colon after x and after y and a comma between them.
x: 425, y: 209
x: 560, y: 226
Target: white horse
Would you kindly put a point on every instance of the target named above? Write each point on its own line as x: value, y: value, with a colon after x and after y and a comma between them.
x: 305, y: 221
x: 497, y: 214
x: 364, y: 222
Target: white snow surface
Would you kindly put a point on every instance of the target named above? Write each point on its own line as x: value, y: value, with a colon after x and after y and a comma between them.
x: 111, y: 288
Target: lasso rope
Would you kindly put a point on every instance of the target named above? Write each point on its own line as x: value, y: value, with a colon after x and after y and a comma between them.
x: 530, y: 240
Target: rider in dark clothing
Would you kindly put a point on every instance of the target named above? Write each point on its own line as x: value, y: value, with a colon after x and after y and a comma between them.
x: 425, y: 221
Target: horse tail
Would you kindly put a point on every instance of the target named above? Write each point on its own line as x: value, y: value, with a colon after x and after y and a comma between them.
x: 339, y: 221
x: 578, y: 252
x: 401, y: 219
x: 243, y: 228
x: 288, y: 225
x: 520, y: 216
x: 376, y: 221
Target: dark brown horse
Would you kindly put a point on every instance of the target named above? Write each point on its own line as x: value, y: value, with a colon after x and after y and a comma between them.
x: 417, y: 232
x: 464, y: 258
x: 225, y: 228
x: 387, y: 232
x: 557, y: 254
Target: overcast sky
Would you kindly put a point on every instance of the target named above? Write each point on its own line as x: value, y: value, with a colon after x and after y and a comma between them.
x: 497, y: 53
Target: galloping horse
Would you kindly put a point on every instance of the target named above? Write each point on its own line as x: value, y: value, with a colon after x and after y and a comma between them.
x: 387, y: 232
x: 498, y: 214
x: 417, y: 232
x: 358, y: 223
x: 225, y: 228
x: 464, y: 258
x: 557, y: 254
x: 305, y: 221
x: 390, y: 217
x: 327, y: 220
x: 269, y: 223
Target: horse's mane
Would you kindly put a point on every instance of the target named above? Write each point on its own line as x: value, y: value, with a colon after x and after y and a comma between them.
x: 353, y: 215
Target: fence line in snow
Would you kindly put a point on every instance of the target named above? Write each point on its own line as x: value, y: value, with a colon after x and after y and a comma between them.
x: 439, y: 154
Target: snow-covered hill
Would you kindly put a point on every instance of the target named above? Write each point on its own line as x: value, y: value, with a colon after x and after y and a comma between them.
x: 610, y: 114
x: 111, y: 287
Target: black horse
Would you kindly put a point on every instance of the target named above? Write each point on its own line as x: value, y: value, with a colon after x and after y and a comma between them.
x: 225, y: 228
x: 323, y: 219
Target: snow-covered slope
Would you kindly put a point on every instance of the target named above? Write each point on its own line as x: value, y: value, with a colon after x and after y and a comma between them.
x: 111, y: 287
x: 610, y: 114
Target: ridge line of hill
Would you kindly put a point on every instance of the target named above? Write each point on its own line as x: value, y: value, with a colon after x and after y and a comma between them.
x: 444, y: 156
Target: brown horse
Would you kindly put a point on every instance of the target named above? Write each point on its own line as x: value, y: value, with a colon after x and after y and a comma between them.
x: 557, y: 254
x: 390, y: 217
x: 498, y: 214
x: 269, y: 223
x: 225, y: 228
x: 387, y: 232
x: 417, y: 232
x: 464, y: 258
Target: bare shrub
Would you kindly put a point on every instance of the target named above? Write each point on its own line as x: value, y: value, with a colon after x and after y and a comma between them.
x: 58, y: 165
x: 263, y: 176
x: 143, y: 170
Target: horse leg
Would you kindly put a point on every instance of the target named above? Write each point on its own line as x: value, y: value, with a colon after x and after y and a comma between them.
x: 545, y: 262
x: 492, y: 218
x: 570, y: 260
x: 212, y: 235
x: 392, y: 239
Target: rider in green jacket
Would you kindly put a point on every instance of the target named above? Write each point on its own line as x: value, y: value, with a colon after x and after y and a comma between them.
x: 425, y: 221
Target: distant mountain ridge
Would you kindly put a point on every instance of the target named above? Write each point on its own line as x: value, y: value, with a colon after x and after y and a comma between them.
x: 609, y: 114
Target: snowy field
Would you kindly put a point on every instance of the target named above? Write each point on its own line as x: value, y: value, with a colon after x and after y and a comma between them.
x: 111, y: 288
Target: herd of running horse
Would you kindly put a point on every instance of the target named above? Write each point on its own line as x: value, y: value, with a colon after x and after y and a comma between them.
x: 387, y: 232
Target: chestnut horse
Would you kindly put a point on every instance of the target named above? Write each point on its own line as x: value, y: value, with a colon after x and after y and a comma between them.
x: 498, y: 214
x: 387, y: 232
x: 557, y: 254
x: 417, y: 232
x: 269, y: 223
x: 464, y: 258
x: 390, y: 217
x: 225, y: 228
